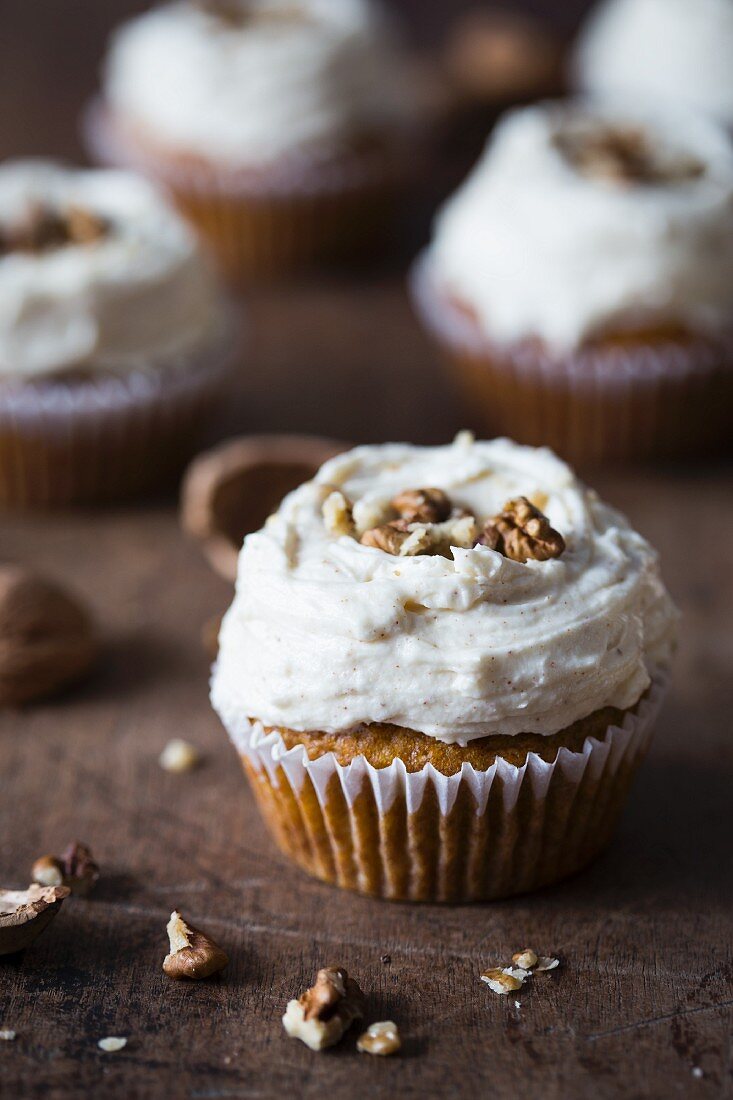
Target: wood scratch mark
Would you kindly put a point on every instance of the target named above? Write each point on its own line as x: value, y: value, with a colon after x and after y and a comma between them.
x: 657, y: 1020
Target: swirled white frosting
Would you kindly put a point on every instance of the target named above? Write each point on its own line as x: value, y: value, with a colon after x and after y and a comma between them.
x: 139, y: 295
x: 672, y: 51
x: 538, y: 249
x: 325, y: 633
x: 296, y: 74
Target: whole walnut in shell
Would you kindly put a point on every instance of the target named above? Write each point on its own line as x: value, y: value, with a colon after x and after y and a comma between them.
x: 46, y: 637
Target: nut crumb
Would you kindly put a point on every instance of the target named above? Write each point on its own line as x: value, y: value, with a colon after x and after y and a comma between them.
x: 382, y: 1038
x: 192, y: 954
x: 500, y: 980
x: 48, y: 871
x: 697, y: 1072
x: 386, y: 959
x: 7, y: 1035
x: 325, y: 1012
x: 179, y: 756
x: 112, y: 1044
x: 526, y: 958
x: 545, y: 963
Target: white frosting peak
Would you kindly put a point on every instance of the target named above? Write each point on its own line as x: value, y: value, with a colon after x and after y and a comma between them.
x: 539, y: 249
x: 303, y: 75
x: 140, y: 294
x: 671, y: 51
x: 325, y: 633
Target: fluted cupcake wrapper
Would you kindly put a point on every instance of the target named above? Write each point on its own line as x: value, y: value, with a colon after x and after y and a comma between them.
x: 108, y: 436
x: 263, y: 225
x: 615, y: 401
x: 424, y: 836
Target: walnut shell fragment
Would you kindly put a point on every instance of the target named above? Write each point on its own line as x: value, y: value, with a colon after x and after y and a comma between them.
x: 25, y: 913
x: 326, y: 1011
x: 193, y: 954
x: 46, y: 637
x: 231, y: 489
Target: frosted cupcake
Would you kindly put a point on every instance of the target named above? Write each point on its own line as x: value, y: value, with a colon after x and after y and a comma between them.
x: 113, y: 341
x: 281, y: 127
x: 669, y: 51
x: 441, y: 669
x: 581, y: 281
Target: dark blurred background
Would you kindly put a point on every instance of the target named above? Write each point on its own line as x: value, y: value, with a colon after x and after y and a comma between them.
x: 50, y: 52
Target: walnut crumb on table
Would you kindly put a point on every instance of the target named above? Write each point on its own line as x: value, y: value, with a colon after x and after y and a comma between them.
x: 326, y: 1011
x: 112, y: 1044
x: 508, y: 979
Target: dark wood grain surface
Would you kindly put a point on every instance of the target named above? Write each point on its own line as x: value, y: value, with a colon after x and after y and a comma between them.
x: 642, y: 1004
x: 645, y: 991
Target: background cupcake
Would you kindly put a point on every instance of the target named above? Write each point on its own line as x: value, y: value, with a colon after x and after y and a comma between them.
x: 671, y: 51
x: 282, y: 129
x: 581, y: 281
x: 113, y: 340
x: 442, y: 693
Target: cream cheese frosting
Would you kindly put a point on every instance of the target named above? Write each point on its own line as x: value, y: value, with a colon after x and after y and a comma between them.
x: 247, y: 90
x: 139, y: 295
x: 326, y: 633
x: 539, y: 249
x: 672, y: 51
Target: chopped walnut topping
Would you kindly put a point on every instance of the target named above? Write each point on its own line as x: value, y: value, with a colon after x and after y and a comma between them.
x: 422, y: 505
x: 239, y: 13
x: 521, y: 532
x: 7, y: 1035
x: 371, y: 513
x: 325, y: 1011
x: 382, y: 1038
x: 45, y: 228
x: 390, y: 537
x: 625, y: 156
x: 545, y: 963
x: 337, y: 514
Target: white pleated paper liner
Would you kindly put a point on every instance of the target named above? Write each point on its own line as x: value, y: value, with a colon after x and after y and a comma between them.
x: 108, y: 435
x: 622, y: 400
x: 268, y: 751
x: 516, y: 811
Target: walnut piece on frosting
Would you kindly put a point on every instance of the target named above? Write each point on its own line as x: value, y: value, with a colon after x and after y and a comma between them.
x: 624, y: 156
x: 422, y: 505
x: 429, y: 523
x: 325, y: 1012
x: 337, y: 514
x: 521, y: 531
x: 44, y: 228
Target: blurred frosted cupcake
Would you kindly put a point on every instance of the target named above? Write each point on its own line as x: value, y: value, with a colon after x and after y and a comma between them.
x: 282, y: 127
x: 113, y: 341
x: 668, y: 51
x: 581, y: 281
x: 441, y: 669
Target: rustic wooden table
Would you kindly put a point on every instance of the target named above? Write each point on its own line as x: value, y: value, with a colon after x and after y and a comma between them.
x: 641, y: 1006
